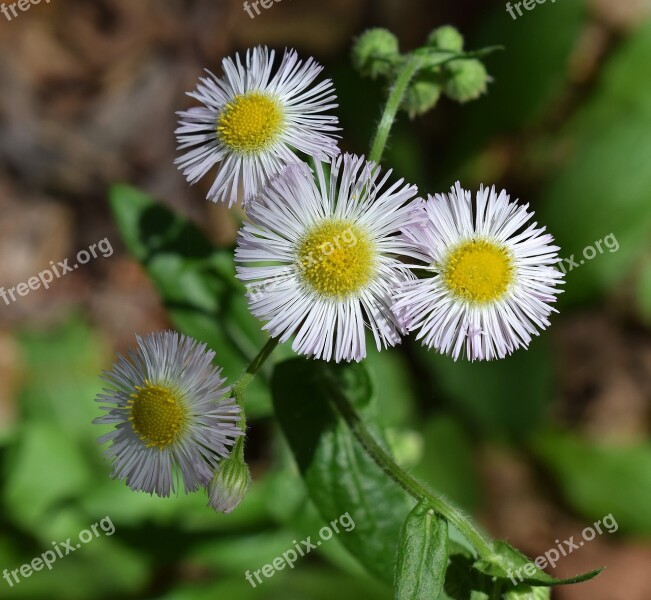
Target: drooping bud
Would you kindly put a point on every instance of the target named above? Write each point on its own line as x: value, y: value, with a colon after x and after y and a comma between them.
x: 376, y: 52
x: 229, y: 485
x: 467, y: 80
x: 422, y: 96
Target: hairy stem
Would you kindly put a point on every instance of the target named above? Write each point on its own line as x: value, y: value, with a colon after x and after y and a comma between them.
x: 414, y: 63
x: 405, y: 75
x: 242, y: 383
x: 413, y: 487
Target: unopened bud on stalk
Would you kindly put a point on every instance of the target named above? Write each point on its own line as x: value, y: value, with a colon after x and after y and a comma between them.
x: 446, y: 38
x: 376, y: 52
x: 229, y: 485
x: 467, y: 81
x: 421, y: 97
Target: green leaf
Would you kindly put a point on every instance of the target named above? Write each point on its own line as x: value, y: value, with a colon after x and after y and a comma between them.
x: 340, y: 476
x: 510, y: 564
x: 422, y: 555
x: 601, y: 480
x: 463, y: 582
x: 197, y: 284
x: 291, y: 506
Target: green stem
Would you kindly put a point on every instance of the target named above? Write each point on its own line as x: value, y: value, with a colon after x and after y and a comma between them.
x: 413, y: 487
x: 240, y: 387
x: 242, y: 383
x: 412, y: 65
x: 405, y: 75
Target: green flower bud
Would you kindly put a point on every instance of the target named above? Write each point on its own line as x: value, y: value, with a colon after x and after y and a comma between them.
x: 375, y: 53
x: 467, y: 80
x: 229, y: 485
x: 422, y: 96
x: 446, y: 38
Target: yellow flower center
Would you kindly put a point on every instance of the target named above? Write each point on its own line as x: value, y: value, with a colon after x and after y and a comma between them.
x: 250, y: 122
x: 479, y: 271
x: 157, y: 415
x: 336, y: 258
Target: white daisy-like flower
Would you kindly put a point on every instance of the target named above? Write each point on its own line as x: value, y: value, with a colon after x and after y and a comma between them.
x: 490, y: 278
x: 320, y: 257
x: 252, y: 121
x: 170, y: 415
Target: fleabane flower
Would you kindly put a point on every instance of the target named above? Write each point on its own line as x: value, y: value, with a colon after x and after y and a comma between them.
x: 319, y: 255
x: 253, y: 120
x: 171, y: 419
x: 490, y: 280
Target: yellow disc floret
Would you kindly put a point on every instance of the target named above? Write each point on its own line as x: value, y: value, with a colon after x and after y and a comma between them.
x: 157, y: 415
x: 478, y: 271
x: 250, y: 122
x: 336, y: 258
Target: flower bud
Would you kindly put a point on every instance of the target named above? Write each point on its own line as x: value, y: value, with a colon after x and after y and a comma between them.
x: 467, y: 80
x: 422, y: 96
x: 229, y: 485
x: 376, y: 52
x: 446, y: 38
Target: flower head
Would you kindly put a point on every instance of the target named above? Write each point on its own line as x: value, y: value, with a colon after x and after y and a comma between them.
x: 320, y: 257
x: 253, y: 120
x: 169, y: 416
x: 490, y: 276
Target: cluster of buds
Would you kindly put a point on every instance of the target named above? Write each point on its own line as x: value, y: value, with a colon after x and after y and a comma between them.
x: 376, y: 54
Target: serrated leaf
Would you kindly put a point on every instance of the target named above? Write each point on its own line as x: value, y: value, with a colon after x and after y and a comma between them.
x: 422, y: 555
x: 340, y: 476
